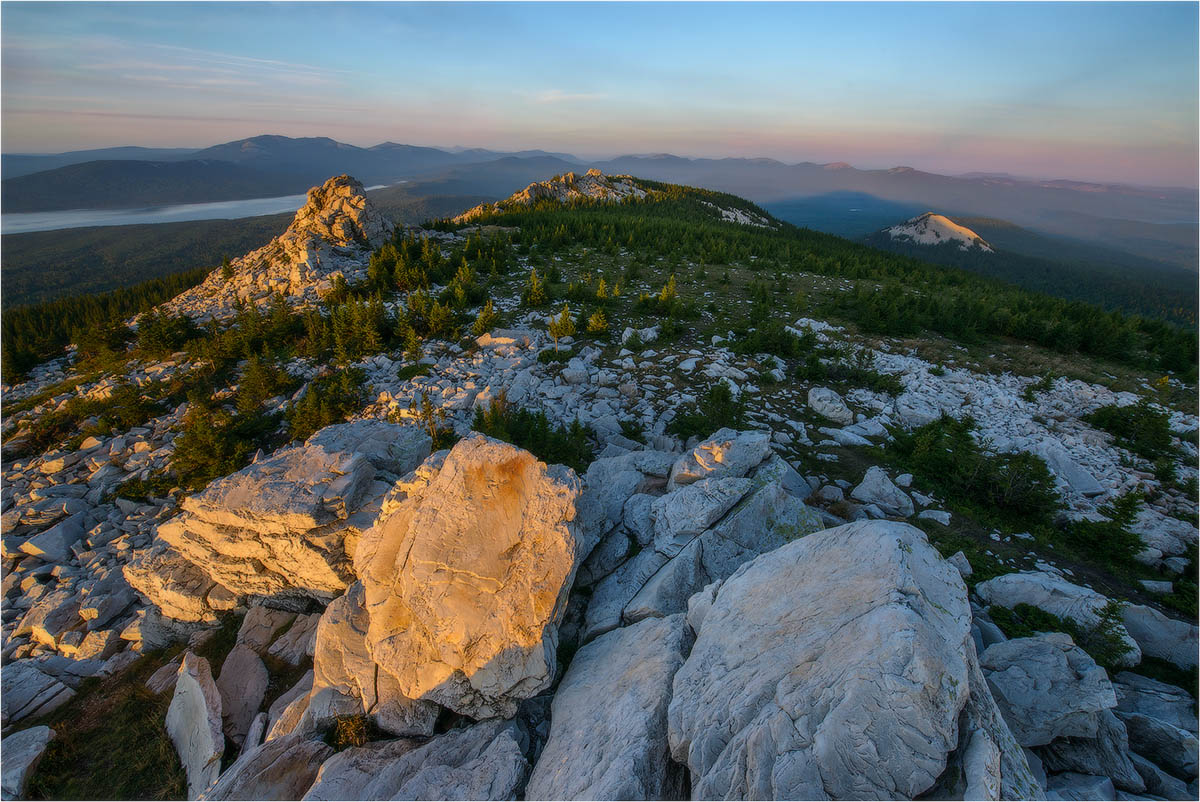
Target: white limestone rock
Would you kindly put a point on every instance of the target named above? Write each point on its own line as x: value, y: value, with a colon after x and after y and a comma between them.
x: 243, y: 683
x: 1162, y: 637
x: 281, y: 769
x: 346, y: 678
x: 194, y: 724
x: 287, y: 526
x: 829, y: 404
x: 876, y: 488
x: 25, y: 692
x: 682, y: 515
x: 836, y: 666
x: 608, y: 733
x: 466, y: 582
x: 1047, y: 687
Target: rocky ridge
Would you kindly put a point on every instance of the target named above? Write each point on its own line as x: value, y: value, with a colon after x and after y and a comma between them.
x: 592, y: 185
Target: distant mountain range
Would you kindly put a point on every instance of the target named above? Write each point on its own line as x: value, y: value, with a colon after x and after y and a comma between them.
x: 1157, y: 224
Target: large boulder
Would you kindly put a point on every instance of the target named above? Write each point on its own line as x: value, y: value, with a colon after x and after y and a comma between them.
x: 194, y: 724
x: 608, y: 485
x: 483, y: 761
x: 837, y: 666
x: 1167, y: 703
x: 608, y: 733
x: 176, y: 586
x: 1053, y: 594
x: 467, y: 580
x: 242, y: 683
x: 287, y: 525
x: 1162, y: 637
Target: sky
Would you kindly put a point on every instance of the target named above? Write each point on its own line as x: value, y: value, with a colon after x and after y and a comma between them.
x: 1090, y: 91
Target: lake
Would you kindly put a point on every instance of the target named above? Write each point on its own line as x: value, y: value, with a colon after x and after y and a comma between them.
x: 219, y: 210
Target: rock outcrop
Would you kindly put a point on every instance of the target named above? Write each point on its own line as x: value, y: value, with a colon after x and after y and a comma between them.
x: 592, y: 185
x: 466, y: 581
x: 20, y: 753
x: 275, y: 770
x: 836, y: 666
x: 285, y: 527
x: 331, y: 236
x: 484, y: 761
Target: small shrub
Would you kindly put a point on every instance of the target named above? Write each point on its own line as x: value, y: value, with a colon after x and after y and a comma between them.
x: 718, y: 409
x: 1014, y: 488
x: 631, y: 429
x: 348, y: 731
x: 1110, y: 542
x: 549, y: 357
x: 597, y: 323
x: 1140, y: 429
x: 486, y: 320
x: 561, y: 325
x: 407, y: 372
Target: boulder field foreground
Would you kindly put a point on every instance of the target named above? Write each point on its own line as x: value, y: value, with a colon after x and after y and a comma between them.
x: 720, y: 644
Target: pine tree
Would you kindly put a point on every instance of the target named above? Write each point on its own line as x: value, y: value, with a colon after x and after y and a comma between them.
x: 561, y: 326
x: 485, y: 320
x: 226, y: 269
x: 597, y: 323
x: 535, y: 290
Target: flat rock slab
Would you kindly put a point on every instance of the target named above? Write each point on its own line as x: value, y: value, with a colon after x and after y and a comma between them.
x: 19, y: 756
x: 608, y: 733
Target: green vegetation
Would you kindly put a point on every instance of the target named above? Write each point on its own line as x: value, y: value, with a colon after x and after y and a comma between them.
x: 216, y: 443
x: 1110, y: 542
x: 1139, y: 428
x: 717, y: 409
x: 1101, y: 641
x: 142, y: 490
x: 329, y: 399
x: 33, y: 334
x: 1012, y: 489
x: 93, y: 734
x: 565, y: 445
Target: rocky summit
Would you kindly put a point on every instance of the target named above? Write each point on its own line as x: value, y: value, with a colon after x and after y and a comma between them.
x: 330, y: 238
x: 610, y: 490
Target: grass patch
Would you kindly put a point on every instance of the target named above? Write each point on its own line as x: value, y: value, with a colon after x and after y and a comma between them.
x: 111, y: 743
x: 412, y: 371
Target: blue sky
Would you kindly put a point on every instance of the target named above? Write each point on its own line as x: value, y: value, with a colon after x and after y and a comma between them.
x: 1080, y: 90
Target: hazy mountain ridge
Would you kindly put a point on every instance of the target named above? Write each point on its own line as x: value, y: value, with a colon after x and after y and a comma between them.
x: 1117, y: 215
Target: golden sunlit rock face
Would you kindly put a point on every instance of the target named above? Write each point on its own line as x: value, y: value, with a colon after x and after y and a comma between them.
x: 467, y: 580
